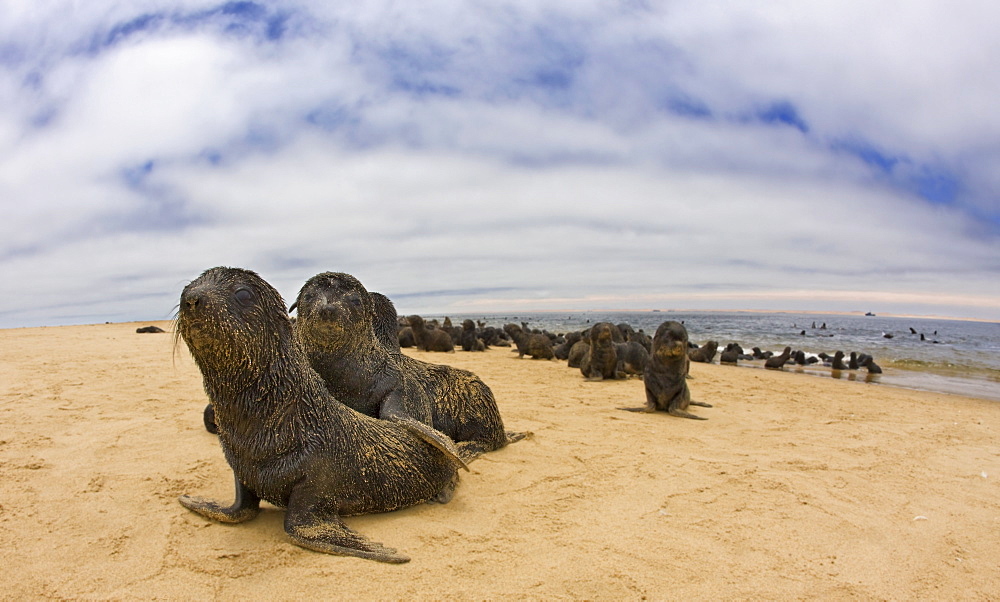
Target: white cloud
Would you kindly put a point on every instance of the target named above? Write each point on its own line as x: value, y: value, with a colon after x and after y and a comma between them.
x: 530, y: 153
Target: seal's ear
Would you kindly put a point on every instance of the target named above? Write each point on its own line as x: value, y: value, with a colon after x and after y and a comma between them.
x: 293, y: 306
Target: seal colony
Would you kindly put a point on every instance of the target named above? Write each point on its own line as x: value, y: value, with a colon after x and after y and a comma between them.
x: 286, y: 438
x: 323, y: 415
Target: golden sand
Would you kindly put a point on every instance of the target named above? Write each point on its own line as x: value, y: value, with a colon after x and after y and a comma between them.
x: 795, y: 487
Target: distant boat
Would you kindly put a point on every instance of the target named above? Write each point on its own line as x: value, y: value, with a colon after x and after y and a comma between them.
x: 869, y: 314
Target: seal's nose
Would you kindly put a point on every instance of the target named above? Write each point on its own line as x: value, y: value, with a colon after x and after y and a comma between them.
x: 192, y: 299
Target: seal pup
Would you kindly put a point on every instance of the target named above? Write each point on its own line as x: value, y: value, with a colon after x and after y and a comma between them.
x: 869, y: 362
x: 665, y: 378
x: 577, y: 352
x: 601, y: 360
x: 385, y: 324
x: 536, y: 345
x: 705, y: 353
x: 286, y: 438
x: 632, y: 357
x: 777, y: 361
x: 430, y: 340
x: 731, y: 355
x: 469, y: 339
x: 149, y: 329
x: 338, y: 328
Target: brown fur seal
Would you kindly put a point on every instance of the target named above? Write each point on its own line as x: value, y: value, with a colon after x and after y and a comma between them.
x: 601, y: 360
x: 287, y: 439
x: 149, y: 329
x: 335, y: 324
x: 665, y: 378
x: 470, y: 339
x: 777, y: 361
x: 704, y: 354
x: 577, y: 352
x: 430, y: 340
x: 632, y: 357
x: 386, y: 328
x: 536, y: 345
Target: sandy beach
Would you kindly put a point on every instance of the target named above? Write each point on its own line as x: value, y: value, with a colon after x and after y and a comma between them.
x: 796, y: 487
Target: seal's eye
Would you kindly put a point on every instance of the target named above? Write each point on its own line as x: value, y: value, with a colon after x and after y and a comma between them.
x: 354, y: 300
x: 244, y: 296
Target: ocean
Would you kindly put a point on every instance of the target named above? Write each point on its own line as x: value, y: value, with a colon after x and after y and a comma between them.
x: 955, y: 356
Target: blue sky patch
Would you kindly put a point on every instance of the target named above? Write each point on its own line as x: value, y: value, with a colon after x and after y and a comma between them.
x: 783, y: 113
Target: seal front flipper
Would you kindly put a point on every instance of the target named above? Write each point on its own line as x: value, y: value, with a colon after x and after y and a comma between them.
x: 434, y: 437
x: 392, y: 409
x: 246, y: 506
x: 311, y: 523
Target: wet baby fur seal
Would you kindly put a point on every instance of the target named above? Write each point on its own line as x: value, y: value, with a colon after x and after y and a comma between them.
x: 665, y: 378
x: 287, y: 439
x: 340, y: 326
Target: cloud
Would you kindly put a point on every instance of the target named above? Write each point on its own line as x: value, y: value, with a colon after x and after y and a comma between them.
x: 578, y: 153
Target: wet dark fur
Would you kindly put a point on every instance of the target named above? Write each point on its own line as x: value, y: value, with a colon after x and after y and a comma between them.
x: 601, y: 360
x: 338, y: 336
x: 385, y: 328
x: 287, y: 439
x: 665, y: 378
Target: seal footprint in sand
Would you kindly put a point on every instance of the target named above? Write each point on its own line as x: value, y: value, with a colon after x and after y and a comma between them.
x: 287, y: 439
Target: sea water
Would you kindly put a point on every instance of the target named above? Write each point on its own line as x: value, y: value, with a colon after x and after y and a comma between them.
x: 954, y: 356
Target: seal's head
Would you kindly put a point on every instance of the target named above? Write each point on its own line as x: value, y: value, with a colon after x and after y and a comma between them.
x: 602, y: 332
x: 670, y: 341
x: 334, y: 309
x: 232, y: 321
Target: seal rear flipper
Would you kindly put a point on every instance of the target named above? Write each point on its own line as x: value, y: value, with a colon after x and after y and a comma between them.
x: 683, y: 414
x: 513, y: 436
x: 246, y: 506
x: 334, y: 537
x: 434, y: 437
x: 645, y: 409
x: 700, y: 403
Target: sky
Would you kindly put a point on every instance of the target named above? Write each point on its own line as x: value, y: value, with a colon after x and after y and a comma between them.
x: 484, y: 157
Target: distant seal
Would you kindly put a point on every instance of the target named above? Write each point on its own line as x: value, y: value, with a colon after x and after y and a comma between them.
x: 777, y: 361
x: 470, y: 340
x: 731, y: 355
x: 536, y: 345
x: 601, y: 360
x: 632, y: 357
x: 337, y: 327
x: 577, y: 352
x: 704, y: 354
x: 430, y: 340
x: 287, y: 439
x: 149, y: 329
x: 665, y: 378
x: 869, y: 363
x: 561, y: 351
x: 838, y: 361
